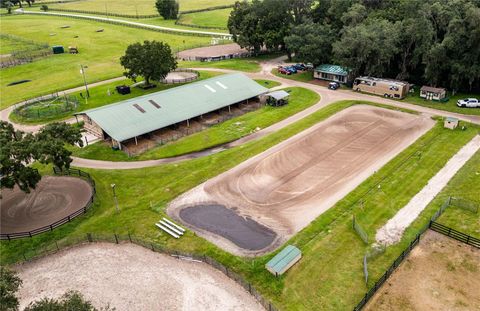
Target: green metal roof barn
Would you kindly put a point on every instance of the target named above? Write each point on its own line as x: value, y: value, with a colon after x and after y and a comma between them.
x: 144, y: 114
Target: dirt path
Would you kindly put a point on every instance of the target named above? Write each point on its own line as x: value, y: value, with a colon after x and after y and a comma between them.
x: 130, y: 277
x: 292, y: 183
x: 439, y: 274
x: 392, y: 231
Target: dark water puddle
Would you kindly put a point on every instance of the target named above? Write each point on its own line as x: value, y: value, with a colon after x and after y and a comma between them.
x: 243, y: 232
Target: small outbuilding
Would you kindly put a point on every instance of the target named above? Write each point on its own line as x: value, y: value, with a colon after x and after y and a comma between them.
x: 333, y: 73
x: 432, y: 93
x: 277, y: 98
x: 284, y: 260
x: 450, y: 123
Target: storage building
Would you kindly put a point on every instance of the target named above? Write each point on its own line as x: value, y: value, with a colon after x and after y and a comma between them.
x: 333, y: 73
x: 432, y: 93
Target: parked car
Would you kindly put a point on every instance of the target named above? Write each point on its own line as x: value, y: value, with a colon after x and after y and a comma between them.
x: 300, y: 67
x: 291, y: 69
x: 468, y: 103
x: 284, y: 71
x: 333, y: 85
x: 309, y: 66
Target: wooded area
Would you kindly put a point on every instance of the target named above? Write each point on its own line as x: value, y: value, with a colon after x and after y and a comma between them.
x: 436, y: 42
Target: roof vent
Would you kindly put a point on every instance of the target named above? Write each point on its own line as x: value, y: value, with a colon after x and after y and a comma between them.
x: 154, y: 104
x: 222, y: 85
x: 139, y: 108
x: 210, y: 88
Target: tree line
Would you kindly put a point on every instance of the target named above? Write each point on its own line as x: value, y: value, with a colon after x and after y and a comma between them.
x: 436, y: 42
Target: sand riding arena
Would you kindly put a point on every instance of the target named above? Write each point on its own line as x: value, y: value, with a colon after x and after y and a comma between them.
x: 256, y: 206
x: 53, y: 200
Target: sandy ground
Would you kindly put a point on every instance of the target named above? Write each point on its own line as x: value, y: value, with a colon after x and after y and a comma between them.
x: 180, y: 75
x: 52, y: 200
x: 440, y: 274
x: 130, y: 277
x: 289, y: 185
x: 393, y: 230
x: 212, y: 51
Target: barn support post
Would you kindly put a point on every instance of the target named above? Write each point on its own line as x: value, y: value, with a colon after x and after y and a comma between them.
x: 188, y: 123
x: 76, y: 118
x: 136, y: 141
x: 229, y: 111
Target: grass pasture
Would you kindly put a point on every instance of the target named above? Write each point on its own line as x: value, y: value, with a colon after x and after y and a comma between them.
x: 100, y: 51
x: 450, y: 105
x: 214, y: 19
x: 329, y: 276
x: 142, y: 7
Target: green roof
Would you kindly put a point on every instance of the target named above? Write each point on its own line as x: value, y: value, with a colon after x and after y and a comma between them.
x: 283, y: 259
x: 333, y: 69
x: 147, y: 113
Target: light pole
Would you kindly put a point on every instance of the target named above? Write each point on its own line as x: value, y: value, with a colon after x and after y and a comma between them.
x: 82, y: 71
x: 115, y: 198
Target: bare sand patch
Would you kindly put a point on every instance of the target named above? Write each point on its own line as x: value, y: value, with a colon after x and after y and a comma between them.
x: 439, y: 274
x: 289, y: 185
x: 130, y: 277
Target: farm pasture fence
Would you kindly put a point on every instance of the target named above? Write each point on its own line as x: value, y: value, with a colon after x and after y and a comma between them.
x: 130, y: 238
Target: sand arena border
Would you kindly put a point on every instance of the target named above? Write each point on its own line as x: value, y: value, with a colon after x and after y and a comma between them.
x: 289, y: 185
x: 53, y: 199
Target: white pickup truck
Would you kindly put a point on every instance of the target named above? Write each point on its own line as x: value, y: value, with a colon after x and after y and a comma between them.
x: 468, y: 103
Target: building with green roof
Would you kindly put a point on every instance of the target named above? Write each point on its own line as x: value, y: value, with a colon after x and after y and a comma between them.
x: 284, y: 260
x: 144, y: 114
x: 333, y: 73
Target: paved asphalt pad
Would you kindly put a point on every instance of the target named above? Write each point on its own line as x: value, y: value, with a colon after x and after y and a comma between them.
x: 243, y: 232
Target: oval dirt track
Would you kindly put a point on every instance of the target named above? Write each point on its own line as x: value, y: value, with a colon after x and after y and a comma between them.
x: 289, y: 185
x: 53, y: 199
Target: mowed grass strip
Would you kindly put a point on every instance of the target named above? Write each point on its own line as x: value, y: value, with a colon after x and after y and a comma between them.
x: 329, y: 276
x: 100, y: 51
x: 218, y: 134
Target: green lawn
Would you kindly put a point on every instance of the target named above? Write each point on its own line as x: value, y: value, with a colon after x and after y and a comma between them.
x: 100, y: 51
x: 143, y: 7
x: 465, y: 185
x: 216, y: 19
x: 450, y: 105
x: 329, y: 276
x: 11, y: 44
x: 99, y: 97
x: 305, y: 76
x: 224, y: 132
x: 241, y: 64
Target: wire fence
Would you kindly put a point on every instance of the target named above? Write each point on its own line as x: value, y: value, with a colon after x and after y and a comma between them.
x: 56, y: 224
x: 49, y: 107
x: 464, y: 204
x: 30, y: 51
x: 105, y: 13
x: 57, y: 246
x: 433, y: 225
x: 359, y: 230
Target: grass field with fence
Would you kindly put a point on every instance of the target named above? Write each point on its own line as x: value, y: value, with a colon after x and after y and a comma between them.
x: 100, y: 51
x: 215, y: 19
x: 138, y: 6
x: 330, y: 274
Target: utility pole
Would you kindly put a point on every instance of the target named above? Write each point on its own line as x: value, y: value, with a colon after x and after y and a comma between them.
x: 115, y: 198
x: 82, y: 71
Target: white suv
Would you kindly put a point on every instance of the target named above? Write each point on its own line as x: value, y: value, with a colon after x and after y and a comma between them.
x: 468, y: 103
